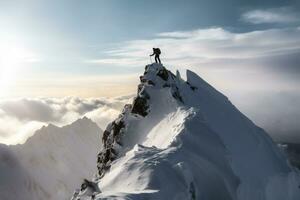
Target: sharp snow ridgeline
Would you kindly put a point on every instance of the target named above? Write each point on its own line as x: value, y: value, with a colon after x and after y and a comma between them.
x: 185, y: 140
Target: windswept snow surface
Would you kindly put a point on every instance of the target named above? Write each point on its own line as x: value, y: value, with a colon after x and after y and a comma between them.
x: 51, y: 163
x: 194, y: 144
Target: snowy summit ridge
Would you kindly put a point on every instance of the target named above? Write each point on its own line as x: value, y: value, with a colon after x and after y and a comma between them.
x: 185, y: 140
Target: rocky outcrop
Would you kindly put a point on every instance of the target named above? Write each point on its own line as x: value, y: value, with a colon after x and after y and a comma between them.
x: 112, y: 136
x: 140, y: 106
x: 163, y: 73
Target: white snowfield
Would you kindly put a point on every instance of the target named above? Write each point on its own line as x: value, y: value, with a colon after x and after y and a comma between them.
x: 51, y: 163
x: 196, y: 146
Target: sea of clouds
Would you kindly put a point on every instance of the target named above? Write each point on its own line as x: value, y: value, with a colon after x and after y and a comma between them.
x: 20, y: 118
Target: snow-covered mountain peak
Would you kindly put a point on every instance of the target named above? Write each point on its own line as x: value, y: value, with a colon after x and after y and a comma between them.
x: 51, y: 162
x: 78, y: 128
x: 182, y: 139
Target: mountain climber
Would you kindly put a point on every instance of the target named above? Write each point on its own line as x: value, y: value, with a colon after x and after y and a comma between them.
x: 156, y: 52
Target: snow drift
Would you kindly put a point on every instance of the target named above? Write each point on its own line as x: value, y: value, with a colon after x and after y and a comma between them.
x: 182, y: 139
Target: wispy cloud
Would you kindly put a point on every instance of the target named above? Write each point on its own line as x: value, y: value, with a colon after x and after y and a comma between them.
x: 20, y: 118
x: 274, y: 15
x: 200, y: 34
x: 206, y: 46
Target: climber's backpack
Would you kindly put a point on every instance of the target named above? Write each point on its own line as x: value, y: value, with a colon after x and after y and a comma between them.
x: 158, y: 51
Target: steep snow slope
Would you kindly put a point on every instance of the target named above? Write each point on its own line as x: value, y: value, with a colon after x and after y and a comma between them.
x: 15, y: 182
x: 51, y: 162
x: 185, y: 140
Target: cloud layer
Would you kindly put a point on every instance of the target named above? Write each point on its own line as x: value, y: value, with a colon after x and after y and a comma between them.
x: 277, y: 111
x: 275, y: 15
x: 209, y: 45
x: 20, y: 118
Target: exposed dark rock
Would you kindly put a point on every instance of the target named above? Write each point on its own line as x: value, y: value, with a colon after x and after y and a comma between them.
x: 173, y: 76
x: 89, y: 184
x: 150, y: 82
x: 117, y: 127
x: 292, y: 151
x: 102, y: 162
x: 105, y: 157
x: 126, y: 108
x: 112, y: 136
x: 166, y: 85
x: 114, y: 131
x: 176, y: 94
x: 192, y: 87
x: 163, y: 73
x: 192, y: 191
x: 105, y: 136
x: 140, y: 106
x: 142, y: 79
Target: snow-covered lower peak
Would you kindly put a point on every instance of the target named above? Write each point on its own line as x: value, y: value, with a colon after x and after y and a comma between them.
x: 185, y: 140
x: 51, y: 163
x: 15, y: 182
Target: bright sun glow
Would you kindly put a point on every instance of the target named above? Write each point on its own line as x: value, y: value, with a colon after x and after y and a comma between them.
x: 12, y: 58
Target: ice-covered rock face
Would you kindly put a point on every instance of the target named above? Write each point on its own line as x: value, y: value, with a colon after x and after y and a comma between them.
x: 155, y: 76
x: 185, y: 140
